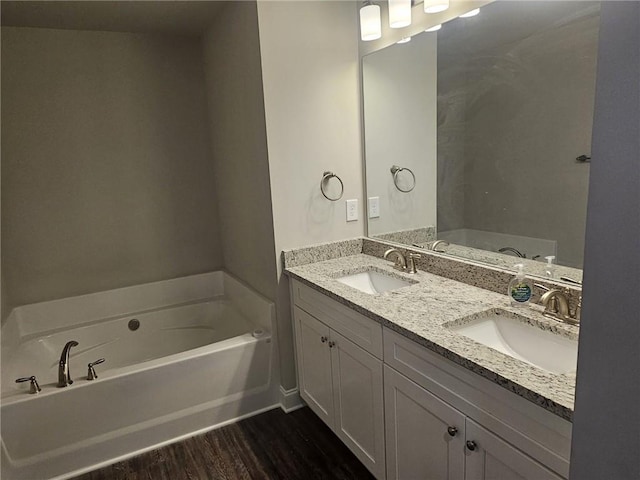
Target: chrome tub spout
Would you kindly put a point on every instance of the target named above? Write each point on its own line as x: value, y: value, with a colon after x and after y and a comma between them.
x: 64, y: 375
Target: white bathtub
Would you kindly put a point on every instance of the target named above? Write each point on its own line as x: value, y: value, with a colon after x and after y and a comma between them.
x: 201, y: 357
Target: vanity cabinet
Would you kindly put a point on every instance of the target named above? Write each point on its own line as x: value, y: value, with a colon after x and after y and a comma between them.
x: 340, y: 380
x: 445, y: 422
x: 407, y: 412
x: 427, y: 438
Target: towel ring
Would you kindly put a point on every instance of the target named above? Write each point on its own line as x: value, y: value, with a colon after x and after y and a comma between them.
x: 325, y: 178
x: 395, y: 170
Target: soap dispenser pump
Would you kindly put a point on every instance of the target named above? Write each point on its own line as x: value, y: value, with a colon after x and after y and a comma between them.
x: 520, y: 288
x: 550, y: 268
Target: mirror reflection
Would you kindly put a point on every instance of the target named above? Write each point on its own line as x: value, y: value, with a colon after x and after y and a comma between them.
x: 477, y: 136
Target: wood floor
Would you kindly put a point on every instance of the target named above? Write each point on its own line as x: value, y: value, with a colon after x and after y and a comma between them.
x: 273, y: 445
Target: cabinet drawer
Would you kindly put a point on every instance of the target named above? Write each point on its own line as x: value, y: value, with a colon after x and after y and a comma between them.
x: 541, y: 434
x: 361, y: 330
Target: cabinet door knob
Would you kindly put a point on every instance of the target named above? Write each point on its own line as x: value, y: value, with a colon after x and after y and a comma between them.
x: 332, y: 344
x: 471, y: 445
x: 323, y: 339
x: 452, y: 431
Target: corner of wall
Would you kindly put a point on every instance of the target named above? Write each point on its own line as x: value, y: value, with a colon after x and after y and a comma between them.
x: 239, y: 145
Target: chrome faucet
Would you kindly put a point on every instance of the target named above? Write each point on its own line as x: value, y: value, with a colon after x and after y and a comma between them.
x: 64, y: 376
x: 517, y: 253
x: 401, y: 261
x: 556, y: 306
x: 434, y: 246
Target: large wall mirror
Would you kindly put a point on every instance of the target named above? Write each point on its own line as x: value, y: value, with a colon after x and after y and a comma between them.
x: 478, y: 136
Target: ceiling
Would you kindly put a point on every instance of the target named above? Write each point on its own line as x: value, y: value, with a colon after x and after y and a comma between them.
x: 160, y: 16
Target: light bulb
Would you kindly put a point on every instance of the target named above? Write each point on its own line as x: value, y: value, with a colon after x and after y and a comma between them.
x: 472, y: 13
x: 399, y: 13
x: 435, y: 28
x: 404, y: 40
x: 435, y: 6
x: 370, y: 25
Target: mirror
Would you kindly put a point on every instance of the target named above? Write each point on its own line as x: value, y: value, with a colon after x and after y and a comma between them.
x: 479, y: 135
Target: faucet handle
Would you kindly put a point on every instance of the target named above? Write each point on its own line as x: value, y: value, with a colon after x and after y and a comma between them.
x: 91, y: 373
x: 411, y: 262
x: 578, y: 311
x: 34, y: 387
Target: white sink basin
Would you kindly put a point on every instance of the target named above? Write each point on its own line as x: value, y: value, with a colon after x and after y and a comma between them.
x: 373, y: 282
x: 549, y: 351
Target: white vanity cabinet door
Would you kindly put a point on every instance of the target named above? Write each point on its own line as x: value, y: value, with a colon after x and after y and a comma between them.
x: 342, y: 384
x: 494, y: 459
x: 314, y: 365
x: 424, y: 435
x: 358, y: 402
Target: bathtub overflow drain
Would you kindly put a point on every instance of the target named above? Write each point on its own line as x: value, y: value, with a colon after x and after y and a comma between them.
x: 134, y: 324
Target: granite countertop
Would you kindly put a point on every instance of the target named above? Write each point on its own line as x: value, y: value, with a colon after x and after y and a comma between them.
x: 423, y: 311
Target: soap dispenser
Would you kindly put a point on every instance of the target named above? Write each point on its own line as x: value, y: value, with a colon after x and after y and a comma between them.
x: 550, y: 268
x: 520, y: 288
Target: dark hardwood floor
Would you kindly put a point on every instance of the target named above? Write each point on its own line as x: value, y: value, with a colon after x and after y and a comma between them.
x: 272, y: 445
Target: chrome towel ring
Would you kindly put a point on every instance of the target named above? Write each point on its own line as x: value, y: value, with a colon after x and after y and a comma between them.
x: 325, y: 179
x: 395, y: 170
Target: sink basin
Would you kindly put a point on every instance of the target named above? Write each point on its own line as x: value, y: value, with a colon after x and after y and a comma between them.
x: 543, y: 349
x: 373, y: 282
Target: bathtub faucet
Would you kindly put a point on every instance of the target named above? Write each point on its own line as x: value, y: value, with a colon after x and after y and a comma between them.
x: 64, y: 376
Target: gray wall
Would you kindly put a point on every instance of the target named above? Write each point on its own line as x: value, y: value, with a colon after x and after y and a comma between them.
x: 239, y: 145
x: 606, y: 427
x: 5, y: 301
x: 106, y: 172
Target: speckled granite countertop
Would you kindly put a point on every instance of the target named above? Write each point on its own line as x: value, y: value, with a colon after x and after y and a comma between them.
x: 423, y: 311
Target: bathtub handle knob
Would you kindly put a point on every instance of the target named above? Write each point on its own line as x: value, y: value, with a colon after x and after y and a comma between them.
x: 91, y: 374
x: 323, y: 339
x: 34, y: 387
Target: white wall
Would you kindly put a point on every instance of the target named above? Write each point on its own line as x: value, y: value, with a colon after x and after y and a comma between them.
x: 239, y: 145
x: 106, y: 174
x: 310, y: 74
x: 400, y: 97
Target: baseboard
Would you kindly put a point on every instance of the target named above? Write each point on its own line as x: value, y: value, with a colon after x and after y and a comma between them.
x: 290, y: 400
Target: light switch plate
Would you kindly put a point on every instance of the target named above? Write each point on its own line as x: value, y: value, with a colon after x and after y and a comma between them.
x: 374, y: 207
x: 352, y: 210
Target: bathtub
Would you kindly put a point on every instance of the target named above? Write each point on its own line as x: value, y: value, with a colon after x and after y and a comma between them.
x: 201, y: 357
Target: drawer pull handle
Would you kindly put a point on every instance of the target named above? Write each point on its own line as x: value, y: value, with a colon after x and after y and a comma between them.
x: 452, y: 431
x: 323, y: 339
x: 471, y: 445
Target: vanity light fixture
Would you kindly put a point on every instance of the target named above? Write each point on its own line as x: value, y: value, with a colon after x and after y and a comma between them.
x: 404, y: 40
x: 435, y: 28
x: 370, y: 24
x: 471, y: 13
x: 435, y: 6
x: 399, y: 13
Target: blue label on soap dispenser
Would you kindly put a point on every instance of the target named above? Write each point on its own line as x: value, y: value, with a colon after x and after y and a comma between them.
x: 521, y: 292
